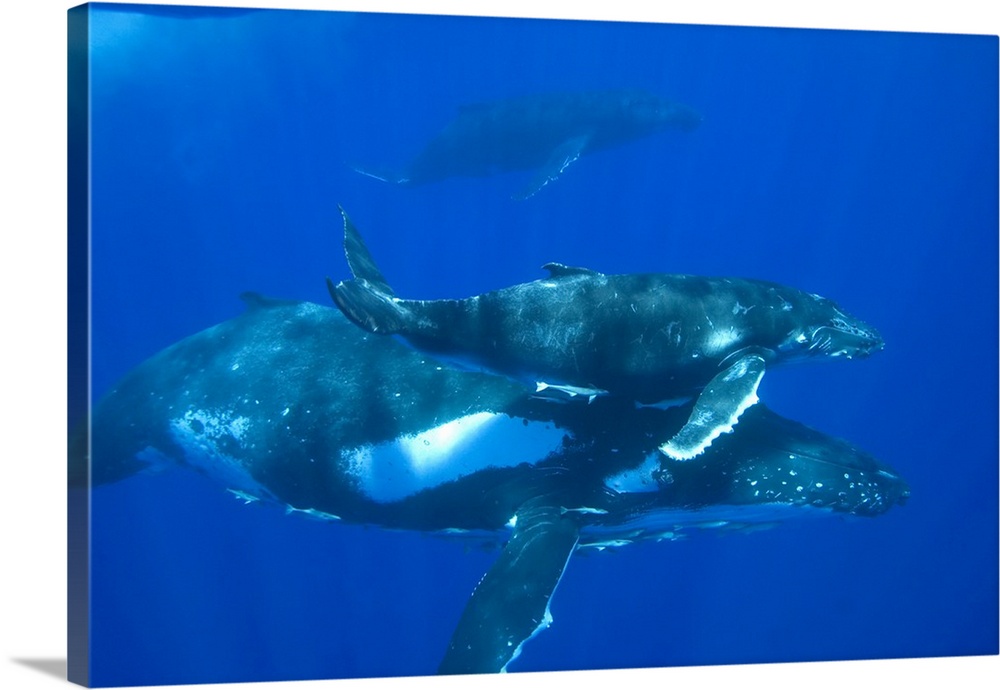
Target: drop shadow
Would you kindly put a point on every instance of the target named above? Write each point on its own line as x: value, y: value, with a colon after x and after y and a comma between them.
x: 50, y: 667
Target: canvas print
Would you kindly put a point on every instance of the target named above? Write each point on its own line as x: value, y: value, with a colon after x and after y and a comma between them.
x: 404, y: 345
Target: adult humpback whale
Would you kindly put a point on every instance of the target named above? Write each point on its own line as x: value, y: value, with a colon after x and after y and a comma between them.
x: 543, y: 132
x: 291, y: 404
x: 651, y: 338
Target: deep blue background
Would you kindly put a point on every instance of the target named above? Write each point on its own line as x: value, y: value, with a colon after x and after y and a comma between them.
x: 860, y: 166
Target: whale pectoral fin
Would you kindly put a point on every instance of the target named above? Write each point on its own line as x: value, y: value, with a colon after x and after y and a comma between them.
x: 718, y: 408
x: 511, y: 603
x: 561, y: 158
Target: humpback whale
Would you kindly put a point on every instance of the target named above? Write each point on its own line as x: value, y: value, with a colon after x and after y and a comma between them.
x: 543, y: 132
x: 291, y: 404
x: 652, y: 338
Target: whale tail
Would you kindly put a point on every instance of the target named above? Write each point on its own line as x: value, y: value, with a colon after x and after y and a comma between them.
x: 373, y: 310
x: 367, y: 299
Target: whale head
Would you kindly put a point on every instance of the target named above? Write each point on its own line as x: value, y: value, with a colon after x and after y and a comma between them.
x: 650, y: 112
x: 829, y: 331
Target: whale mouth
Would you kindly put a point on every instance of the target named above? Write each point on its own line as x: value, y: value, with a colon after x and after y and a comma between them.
x: 845, y: 340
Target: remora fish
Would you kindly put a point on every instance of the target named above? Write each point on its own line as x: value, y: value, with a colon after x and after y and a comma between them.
x: 267, y: 404
x: 646, y: 337
x: 544, y: 132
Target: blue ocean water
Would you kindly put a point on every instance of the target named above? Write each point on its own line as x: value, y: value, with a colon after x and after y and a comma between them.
x: 858, y: 165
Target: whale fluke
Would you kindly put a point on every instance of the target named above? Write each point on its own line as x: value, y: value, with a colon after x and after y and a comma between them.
x: 367, y: 299
x: 373, y: 310
x: 360, y: 259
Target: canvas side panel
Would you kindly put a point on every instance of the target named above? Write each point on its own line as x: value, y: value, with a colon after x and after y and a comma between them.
x: 78, y: 345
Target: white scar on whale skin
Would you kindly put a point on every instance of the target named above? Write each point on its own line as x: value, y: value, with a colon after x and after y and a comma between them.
x: 722, y: 340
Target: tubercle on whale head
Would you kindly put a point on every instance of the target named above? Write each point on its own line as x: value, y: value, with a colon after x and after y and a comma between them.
x: 831, y: 332
x: 850, y: 339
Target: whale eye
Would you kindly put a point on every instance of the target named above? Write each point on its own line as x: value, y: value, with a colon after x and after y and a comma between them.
x: 795, y: 341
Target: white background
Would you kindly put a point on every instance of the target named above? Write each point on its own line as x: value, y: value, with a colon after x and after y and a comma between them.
x: 33, y: 332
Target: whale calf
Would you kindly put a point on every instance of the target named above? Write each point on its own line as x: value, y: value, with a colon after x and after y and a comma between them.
x: 541, y: 132
x: 651, y: 338
x: 291, y: 404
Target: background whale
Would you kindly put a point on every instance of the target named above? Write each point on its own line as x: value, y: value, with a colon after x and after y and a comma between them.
x: 291, y: 404
x: 541, y: 132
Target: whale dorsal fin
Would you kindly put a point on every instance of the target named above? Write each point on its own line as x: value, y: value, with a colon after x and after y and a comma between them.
x: 557, y: 270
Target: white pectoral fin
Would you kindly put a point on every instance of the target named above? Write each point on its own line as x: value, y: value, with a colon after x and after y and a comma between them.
x: 718, y: 408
